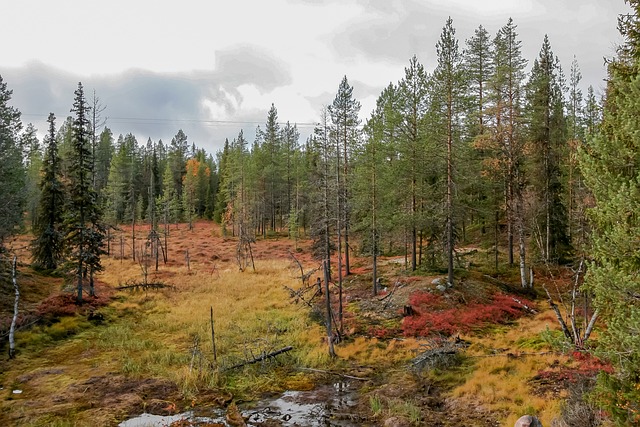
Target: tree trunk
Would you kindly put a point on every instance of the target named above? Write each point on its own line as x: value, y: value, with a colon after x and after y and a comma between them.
x: 332, y: 352
x: 12, y: 329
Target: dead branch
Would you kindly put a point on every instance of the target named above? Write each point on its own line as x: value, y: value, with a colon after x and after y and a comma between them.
x: 145, y: 286
x: 297, y: 262
x: 523, y: 305
x: 304, y: 276
x: 322, y: 371
x: 395, y: 286
x: 261, y: 358
x: 299, y: 294
x: 438, y: 353
x: 556, y: 310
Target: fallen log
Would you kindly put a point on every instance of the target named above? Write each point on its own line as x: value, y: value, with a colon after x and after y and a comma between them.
x: 145, y: 286
x: 261, y: 358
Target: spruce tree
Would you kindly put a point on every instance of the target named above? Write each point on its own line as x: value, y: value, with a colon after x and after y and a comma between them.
x: 610, y: 164
x: 48, y: 246
x: 12, y: 173
x: 85, y: 233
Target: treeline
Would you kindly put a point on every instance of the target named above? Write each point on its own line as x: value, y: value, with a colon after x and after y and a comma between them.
x: 478, y: 146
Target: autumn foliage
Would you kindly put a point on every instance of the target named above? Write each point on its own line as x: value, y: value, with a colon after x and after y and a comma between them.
x: 437, y: 314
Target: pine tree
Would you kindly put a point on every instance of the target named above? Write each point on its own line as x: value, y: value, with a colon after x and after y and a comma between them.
x: 105, y: 151
x: 321, y: 154
x: 449, y: 90
x: 33, y: 159
x: 412, y: 105
x: 48, y: 246
x: 85, y: 233
x: 479, y: 68
x: 547, y: 134
x: 177, y: 158
x: 374, y: 176
x: 344, y: 117
x: 479, y: 190
x: 610, y: 164
x: 12, y: 173
x: 505, y: 140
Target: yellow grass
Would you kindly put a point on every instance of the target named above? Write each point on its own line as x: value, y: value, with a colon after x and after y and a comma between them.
x: 252, y: 314
x: 500, y: 380
x: 155, y: 333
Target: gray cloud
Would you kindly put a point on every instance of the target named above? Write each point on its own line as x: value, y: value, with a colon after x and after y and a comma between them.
x: 393, y: 31
x: 156, y: 105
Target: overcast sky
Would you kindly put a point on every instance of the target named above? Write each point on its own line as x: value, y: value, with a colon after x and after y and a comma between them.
x: 213, y: 67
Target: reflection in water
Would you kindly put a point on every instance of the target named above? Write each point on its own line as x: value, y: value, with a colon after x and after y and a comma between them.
x: 325, y: 406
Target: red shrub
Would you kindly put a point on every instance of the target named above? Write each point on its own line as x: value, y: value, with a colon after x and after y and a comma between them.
x: 437, y: 315
x: 383, y: 332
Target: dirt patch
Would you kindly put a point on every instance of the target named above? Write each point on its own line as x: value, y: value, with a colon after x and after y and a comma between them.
x: 103, y: 399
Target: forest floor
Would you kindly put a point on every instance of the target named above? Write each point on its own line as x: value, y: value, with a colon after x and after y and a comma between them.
x: 472, y: 354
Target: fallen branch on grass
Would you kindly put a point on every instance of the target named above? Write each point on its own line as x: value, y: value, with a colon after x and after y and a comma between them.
x: 304, y: 276
x: 322, y: 371
x: 395, y: 287
x: 145, y: 286
x: 439, y: 354
x: 299, y: 294
x: 261, y: 358
x: 523, y: 305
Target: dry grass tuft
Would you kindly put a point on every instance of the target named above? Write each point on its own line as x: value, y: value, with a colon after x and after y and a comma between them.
x: 504, y: 364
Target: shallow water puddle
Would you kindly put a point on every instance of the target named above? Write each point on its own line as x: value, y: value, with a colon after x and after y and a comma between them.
x: 325, y: 406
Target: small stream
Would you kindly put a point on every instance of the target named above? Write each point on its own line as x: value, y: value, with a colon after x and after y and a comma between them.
x: 325, y: 406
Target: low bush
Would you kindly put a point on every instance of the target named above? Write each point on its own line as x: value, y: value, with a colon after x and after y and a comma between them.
x: 437, y: 314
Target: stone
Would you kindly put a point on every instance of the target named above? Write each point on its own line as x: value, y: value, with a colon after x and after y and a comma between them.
x: 441, y: 288
x: 397, y: 422
x: 437, y: 281
x: 528, y: 421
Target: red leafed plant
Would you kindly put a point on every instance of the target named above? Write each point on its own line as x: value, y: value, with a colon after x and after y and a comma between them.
x: 436, y: 314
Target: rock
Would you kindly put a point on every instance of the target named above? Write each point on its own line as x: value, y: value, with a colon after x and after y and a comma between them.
x: 441, y: 288
x: 397, y: 422
x: 528, y: 421
x: 437, y: 281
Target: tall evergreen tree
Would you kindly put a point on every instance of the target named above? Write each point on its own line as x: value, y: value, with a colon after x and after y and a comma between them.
x: 373, y: 194
x: 610, y: 164
x: 48, y: 246
x: 344, y: 117
x: 479, y: 191
x: 33, y: 159
x: 321, y: 154
x: 85, y: 233
x: 104, y: 152
x: 411, y: 104
x: 547, y: 134
x: 505, y: 140
x: 12, y: 173
x: 449, y: 90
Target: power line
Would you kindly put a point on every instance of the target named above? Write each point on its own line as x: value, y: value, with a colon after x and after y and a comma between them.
x: 160, y: 121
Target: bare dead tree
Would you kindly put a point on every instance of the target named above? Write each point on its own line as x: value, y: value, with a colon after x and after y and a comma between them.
x: 244, y: 253
x: 569, y: 322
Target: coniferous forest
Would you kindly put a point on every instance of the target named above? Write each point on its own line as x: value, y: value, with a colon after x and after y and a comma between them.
x: 491, y: 168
